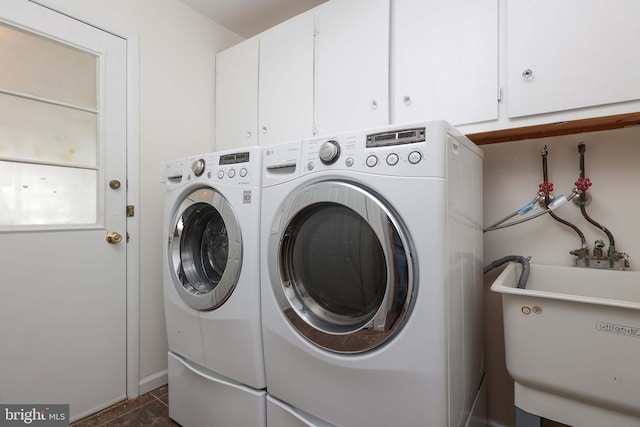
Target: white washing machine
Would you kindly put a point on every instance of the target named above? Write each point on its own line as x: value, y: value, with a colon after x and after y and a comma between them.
x: 212, y: 288
x: 372, y: 278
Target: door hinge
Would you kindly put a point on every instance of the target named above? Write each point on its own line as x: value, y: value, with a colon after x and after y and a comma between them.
x: 130, y: 211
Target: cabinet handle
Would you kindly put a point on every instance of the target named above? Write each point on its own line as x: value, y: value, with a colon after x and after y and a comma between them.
x: 527, y: 74
x: 407, y: 100
x: 374, y: 104
x: 264, y: 129
x: 248, y: 134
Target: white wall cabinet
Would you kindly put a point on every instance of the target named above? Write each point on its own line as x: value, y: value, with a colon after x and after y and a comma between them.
x: 446, y: 60
x: 264, y: 87
x: 352, y: 65
x: 237, y: 96
x: 571, y: 54
x: 325, y: 71
x: 285, y: 91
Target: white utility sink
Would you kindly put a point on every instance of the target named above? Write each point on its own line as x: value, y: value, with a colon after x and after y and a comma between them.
x: 572, y: 343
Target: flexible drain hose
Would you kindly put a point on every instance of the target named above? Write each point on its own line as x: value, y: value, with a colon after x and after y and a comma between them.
x: 524, y: 276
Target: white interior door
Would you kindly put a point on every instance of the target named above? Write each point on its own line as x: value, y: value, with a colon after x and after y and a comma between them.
x: 62, y: 142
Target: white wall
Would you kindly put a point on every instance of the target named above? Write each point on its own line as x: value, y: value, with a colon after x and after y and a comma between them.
x: 177, y: 100
x: 512, y: 172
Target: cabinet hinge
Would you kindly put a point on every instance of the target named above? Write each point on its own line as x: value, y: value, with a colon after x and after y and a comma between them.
x: 130, y: 211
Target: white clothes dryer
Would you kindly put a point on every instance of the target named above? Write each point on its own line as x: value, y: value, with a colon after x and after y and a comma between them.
x: 372, y: 277
x: 211, y: 277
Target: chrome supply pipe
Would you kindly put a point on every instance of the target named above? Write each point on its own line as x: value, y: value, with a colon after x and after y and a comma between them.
x: 583, y: 201
x: 547, y: 199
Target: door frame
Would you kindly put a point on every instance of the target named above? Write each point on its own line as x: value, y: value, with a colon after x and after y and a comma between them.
x: 132, y: 187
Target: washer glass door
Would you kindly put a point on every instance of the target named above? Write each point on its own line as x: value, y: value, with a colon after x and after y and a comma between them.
x: 344, y: 267
x: 205, y: 249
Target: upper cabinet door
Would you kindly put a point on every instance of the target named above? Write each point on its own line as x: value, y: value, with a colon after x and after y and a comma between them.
x: 352, y: 60
x: 570, y: 54
x: 285, y: 92
x: 237, y: 96
x: 446, y: 60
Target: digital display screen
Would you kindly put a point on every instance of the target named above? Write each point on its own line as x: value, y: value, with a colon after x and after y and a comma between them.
x: 401, y: 136
x: 231, y: 159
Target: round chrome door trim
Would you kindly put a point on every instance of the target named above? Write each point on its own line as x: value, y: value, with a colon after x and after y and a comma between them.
x: 384, y: 258
x: 205, y: 249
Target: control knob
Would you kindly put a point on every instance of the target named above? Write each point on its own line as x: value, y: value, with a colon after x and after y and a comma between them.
x: 329, y: 152
x: 198, y: 167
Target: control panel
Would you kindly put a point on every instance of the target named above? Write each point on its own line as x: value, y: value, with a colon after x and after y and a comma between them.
x: 401, y: 152
x: 238, y: 168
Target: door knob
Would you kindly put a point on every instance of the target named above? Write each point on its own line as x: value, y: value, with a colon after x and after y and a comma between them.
x: 114, y: 237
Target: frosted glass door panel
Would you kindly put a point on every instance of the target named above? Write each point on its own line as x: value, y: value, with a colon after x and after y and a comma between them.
x: 49, y: 132
x: 46, y: 69
x: 35, y: 131
x: 39, y: 194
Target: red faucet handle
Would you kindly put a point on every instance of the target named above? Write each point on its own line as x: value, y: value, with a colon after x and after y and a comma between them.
x: 546, y: 187
x: 583, y: 184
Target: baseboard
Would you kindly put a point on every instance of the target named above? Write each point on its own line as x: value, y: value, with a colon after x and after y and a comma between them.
x: 154, y: 381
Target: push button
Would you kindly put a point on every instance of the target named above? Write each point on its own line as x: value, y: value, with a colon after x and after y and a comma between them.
x: 372, y: 161
x: 392, y: 159
x: 415, y: 157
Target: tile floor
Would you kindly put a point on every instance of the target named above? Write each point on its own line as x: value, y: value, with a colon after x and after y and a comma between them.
x: 151, y: 409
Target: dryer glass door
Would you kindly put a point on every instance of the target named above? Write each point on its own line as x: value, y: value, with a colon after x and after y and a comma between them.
x: 343, y: 267
x: 205, y: 250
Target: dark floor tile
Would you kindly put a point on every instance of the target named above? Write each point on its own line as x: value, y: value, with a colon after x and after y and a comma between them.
x: 154, y: 414
x: 162, y: 394
x: 114, y: 411
x: 150, y: 407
